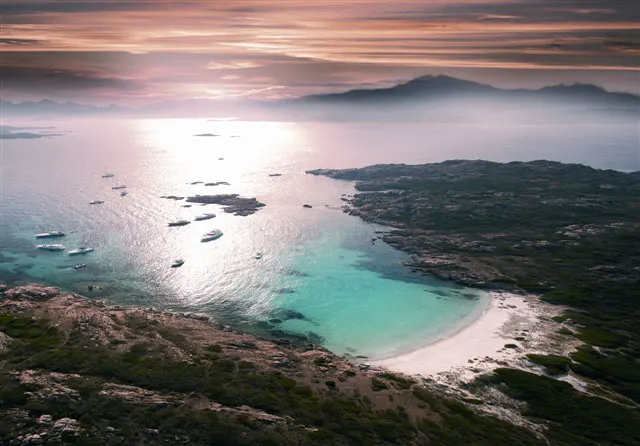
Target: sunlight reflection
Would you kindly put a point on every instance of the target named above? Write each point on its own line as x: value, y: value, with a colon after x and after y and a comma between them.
x: 242, y: 154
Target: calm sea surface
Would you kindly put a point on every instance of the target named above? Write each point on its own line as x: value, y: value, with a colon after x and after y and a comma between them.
x: 320, y: 275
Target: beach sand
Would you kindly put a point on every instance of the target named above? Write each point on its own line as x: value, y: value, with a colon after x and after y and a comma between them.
x: 480, y: 346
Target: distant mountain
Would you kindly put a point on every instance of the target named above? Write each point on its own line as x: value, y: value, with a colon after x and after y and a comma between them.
x: 427, y: 98
x: 47, y: 106
x: 422, y: 87
x: 429, y: 88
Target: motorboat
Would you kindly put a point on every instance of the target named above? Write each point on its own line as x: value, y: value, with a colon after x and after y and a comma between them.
x: 78, y: 265
x: 50, y: 247
x: 97, y: 202
x: 80, y: 250
x: 177, y: 263
x: 118, y: 186
x: 50, y: 234
x: 204, y: 217
x: 123, y: 193
x: 259, y: 256
x: 179, y: 223
x: 211, y: 235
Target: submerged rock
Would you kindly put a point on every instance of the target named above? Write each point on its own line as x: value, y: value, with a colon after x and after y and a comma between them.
x: 290, y: 314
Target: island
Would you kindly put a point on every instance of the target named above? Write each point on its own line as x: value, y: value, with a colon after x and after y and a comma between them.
x: 232, y: 203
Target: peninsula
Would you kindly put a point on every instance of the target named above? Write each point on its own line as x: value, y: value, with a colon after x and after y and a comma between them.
x: 564, y: 232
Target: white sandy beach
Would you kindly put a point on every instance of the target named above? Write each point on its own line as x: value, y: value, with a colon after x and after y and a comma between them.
x: 479, y: 344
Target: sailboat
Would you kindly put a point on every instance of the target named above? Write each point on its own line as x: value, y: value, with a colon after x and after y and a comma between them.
x: 106, y: 174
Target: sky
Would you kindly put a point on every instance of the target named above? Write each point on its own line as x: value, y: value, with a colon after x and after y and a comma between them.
x: 145, y: 51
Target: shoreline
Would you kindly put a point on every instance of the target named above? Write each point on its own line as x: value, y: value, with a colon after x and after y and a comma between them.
x: 509, y: 319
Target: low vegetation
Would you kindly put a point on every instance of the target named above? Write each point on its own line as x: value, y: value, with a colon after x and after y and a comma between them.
x: 135, y: 394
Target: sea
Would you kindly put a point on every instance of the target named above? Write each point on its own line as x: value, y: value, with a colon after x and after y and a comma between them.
x: 323, y: 276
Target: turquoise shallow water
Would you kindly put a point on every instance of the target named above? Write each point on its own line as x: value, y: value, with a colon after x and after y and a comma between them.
x: 321, y: 276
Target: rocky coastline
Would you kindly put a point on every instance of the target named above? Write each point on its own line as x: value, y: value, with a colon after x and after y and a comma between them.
x: 497, y: 226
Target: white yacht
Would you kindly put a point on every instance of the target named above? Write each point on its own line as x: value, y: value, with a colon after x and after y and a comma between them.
x: 97, y: 202
x: 50, y: 247
x: 179, y: 223
x: 80, y: 250
x: 204, y: 217
x: 211, y: 235
x: 177, y: 263
x: 50, y: 234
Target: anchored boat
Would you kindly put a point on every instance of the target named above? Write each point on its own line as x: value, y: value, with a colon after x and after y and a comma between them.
x: 211, y: 235
x: 204, y: 217
x: 50, y: 247
x: 50, y: 234
x: 80, y: 250
x: 177, y: 263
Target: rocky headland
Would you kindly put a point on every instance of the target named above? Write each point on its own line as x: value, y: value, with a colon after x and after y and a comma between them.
x: 507, y: 226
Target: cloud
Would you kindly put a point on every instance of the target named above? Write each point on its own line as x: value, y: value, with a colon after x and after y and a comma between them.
x: 190, y: 47
x: 21, y: 42
x: 45, y: 79
x: 233, y: 65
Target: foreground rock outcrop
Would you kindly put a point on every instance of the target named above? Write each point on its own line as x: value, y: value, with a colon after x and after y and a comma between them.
x: 75, y: 371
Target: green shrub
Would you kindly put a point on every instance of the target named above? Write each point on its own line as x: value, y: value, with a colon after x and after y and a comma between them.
x: 377, y: 385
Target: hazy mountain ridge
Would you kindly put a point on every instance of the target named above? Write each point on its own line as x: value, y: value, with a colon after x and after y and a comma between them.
x: 432, y: 87
x: 426, y: 97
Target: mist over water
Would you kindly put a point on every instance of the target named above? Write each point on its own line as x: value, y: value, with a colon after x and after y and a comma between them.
x: 321, y: 274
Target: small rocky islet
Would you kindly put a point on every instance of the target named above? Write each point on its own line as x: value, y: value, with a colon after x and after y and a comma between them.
x: 231, y: 203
